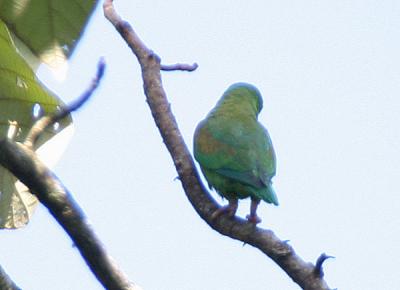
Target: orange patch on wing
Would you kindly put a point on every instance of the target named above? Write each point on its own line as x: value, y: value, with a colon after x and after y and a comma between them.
x: 209, y: 145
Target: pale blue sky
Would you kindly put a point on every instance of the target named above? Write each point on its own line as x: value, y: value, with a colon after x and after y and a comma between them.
x: 329, y: 72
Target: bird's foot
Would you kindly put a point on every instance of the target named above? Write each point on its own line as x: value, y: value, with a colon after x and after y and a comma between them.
x: 253, y: 218
x: 229, y: 210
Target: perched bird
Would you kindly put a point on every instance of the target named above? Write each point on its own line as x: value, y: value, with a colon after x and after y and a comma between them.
x: 235, y: 152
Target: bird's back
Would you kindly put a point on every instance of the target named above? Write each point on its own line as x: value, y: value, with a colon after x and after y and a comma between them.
x: 236, y: 153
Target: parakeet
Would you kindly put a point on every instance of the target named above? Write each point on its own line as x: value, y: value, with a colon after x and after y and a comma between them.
x: 235, y: 151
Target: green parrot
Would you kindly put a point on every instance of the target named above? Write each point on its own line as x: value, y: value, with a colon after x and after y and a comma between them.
x: 235, y: 152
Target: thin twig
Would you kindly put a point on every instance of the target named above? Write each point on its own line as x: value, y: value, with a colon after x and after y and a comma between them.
x: 85, y: 96
x: 179, y: 66
x: 47, y: 121
x: 21, y: 161
x: 265, y: 240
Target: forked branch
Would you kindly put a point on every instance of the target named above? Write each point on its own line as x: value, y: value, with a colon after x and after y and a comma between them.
x: 21, y: 160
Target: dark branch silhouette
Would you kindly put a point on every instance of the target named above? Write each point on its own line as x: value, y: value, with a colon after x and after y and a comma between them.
x: 22, y: 161
x: 5, y: 281
x: 282, y: 253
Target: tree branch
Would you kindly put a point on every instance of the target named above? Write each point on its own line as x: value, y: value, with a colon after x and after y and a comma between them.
x: 265, y: 240
x: 5, y: 281
x: 20, y: 160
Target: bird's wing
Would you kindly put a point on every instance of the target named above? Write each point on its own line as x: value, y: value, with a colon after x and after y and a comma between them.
x: 238, y: 150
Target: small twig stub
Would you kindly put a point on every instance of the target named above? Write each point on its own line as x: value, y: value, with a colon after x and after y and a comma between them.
x: 179, y: 66
x: 318, y: 270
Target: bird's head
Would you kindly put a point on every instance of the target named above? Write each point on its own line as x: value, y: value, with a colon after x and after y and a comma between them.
x: 243, y: 95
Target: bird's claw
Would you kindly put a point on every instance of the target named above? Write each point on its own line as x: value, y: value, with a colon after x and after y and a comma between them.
x: 254, y: 219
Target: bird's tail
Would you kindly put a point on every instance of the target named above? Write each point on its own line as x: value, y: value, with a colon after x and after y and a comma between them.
x: 269, y: 195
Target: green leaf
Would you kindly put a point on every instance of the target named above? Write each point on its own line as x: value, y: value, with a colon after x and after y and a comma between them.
x: 17, y: 204
x: 22, y: 98
x: 49, y: 28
